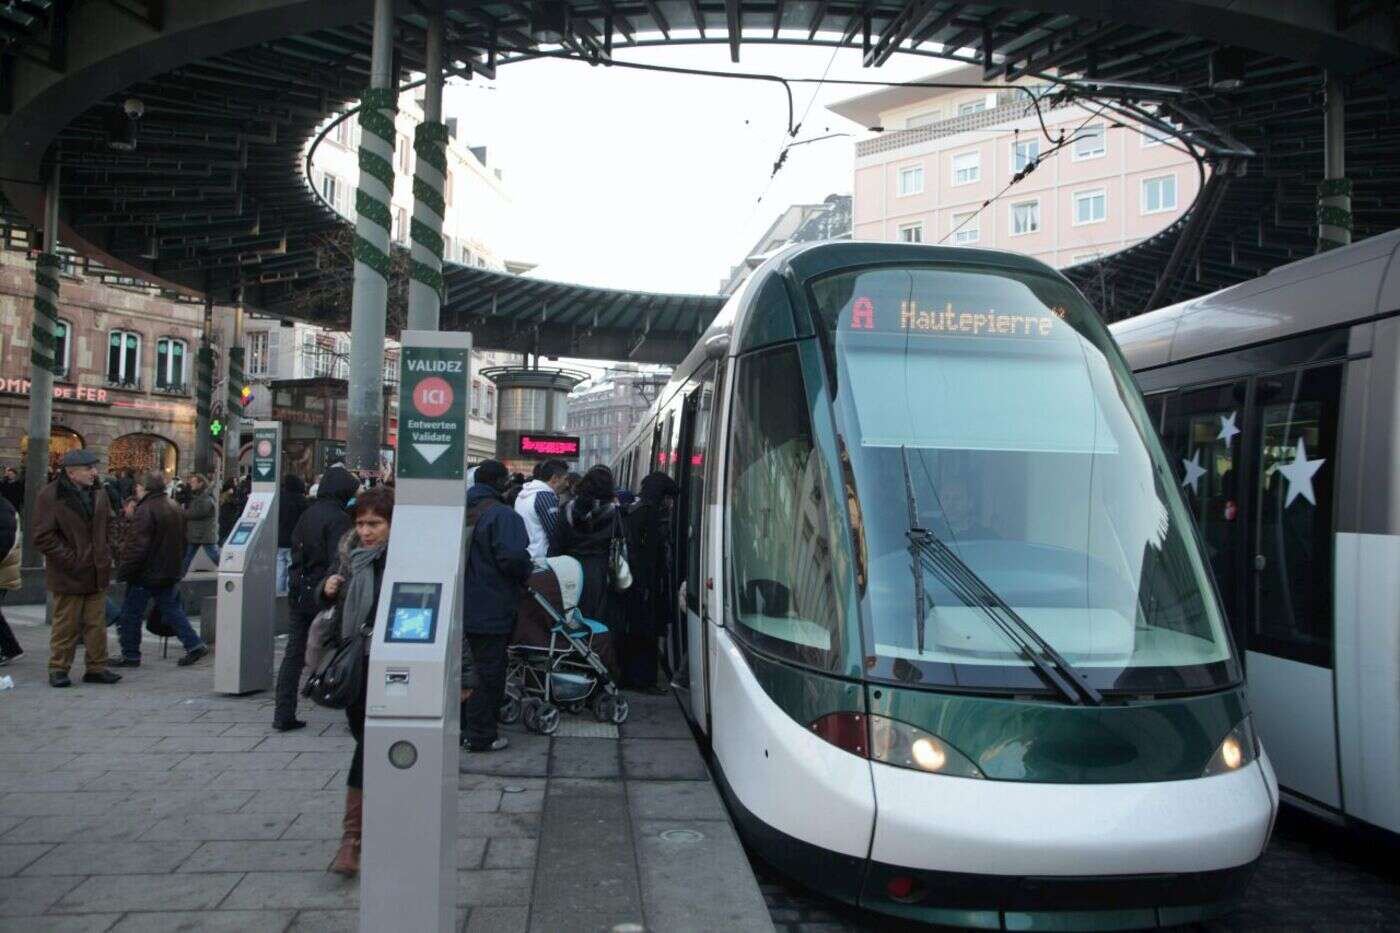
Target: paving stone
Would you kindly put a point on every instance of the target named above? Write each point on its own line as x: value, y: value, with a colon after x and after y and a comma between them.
x: 25, y: 897
x: 587, y: 869
x: 99, y: 744
x: 304, y: 741
x: 47, y: 782
x: 528, y: 801
x: 494, y: 887
x: 325, y: 825
x: 206, y: 743
x: 528, y: 756
x: 83, y: 923
x: 262, y: 855
x: 699, y: 882
x: 293, y: 889
x: 497, y: 920
x: 8, y: 823
x: 296, y: 801
x: 218, y: 826
x: 499, y: 782
x: 584, y: 758
x: 235, y: 761
x: 269, y: 779
x: 320, y: 760
x: 663, y: 759
x: 127, y: 761
x: 75, y: 803
x: 36, y: 761
x: 325, y: 921
x: 233, y: 921
x: 586, y: 787
x: 178, y: 802
x: 92, y: 827
x: 146, y: 780
x: 505, y: 825
x: 510, y: 853
x: 168, y: 729
x: 675, y: 800
x: 15, y: 858
x: 112, y: 858
x: 479, y: 801
x: 147, y: 892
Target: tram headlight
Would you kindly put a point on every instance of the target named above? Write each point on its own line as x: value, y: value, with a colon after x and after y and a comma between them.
x: 1239, y: 747
x: 894, y: 743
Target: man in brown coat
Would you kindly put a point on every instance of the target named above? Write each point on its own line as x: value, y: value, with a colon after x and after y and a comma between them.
x: 70, y: 530
x: 151, y: 565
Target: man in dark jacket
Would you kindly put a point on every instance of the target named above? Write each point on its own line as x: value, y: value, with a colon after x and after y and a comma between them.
x: 314, y: 541
x: 290, y: 504
x: 12, y: 488
x: 151, y: 565
x: 498, y: 564
x: 201, y: 522
x: 70, y: 530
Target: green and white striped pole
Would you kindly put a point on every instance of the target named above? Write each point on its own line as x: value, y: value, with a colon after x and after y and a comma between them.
x: 369, y: 304
x: 1334, y: 192
x: 43, y: 364
x: 429, y: 179
x: 204, y: 394
x: 233, y: 430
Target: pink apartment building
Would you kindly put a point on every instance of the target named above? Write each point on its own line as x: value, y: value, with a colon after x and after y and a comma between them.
x: 938, y: 154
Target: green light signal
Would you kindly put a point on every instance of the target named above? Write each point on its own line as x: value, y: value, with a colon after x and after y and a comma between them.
x: 216, y: 427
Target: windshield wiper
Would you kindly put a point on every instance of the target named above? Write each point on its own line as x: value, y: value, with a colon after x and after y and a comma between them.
x: 932, y: 554
x: 915, y: 535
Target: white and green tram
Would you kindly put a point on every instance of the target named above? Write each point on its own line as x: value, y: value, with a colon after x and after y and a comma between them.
x: 943, y: 616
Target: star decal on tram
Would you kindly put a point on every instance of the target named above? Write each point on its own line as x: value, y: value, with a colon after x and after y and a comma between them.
x: 1299, y: 473
x: 1194, y: 472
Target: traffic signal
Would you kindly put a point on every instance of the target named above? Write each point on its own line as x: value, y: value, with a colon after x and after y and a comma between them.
x: 245, y: 397
x: 216, y: 426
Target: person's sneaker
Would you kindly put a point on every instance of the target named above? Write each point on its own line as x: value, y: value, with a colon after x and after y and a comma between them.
x: 289, y: 725
x: 125, y: 662
x: 500, y: 743
x: 59, y: 679
x: 7, y: 658
x: 101, y: 677
x: 193, y: 655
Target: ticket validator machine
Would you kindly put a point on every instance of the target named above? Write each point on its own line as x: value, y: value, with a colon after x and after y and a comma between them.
x: 409, y: 852
x: 247, y: 589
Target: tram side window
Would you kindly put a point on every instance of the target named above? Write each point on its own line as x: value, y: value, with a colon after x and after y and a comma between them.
x: 1203, y: 438
x: 695, y: 493
x: 784, y: 597
x: 1297, y: 415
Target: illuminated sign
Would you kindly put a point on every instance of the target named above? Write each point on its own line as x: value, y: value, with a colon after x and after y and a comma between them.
x: 946, y: 321
x: 549, y: 445
x: 66, y: 393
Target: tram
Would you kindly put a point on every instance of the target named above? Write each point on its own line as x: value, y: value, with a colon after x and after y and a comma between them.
x: 1279, y: 407
x: 943, y: 617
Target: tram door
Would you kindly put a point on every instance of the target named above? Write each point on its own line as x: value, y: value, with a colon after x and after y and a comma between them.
x: 690, y: 551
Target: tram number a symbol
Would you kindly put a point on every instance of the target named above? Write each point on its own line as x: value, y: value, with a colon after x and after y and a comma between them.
x: 863, y: 314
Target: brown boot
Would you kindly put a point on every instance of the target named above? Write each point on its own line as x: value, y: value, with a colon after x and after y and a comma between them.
x: 347, y: 857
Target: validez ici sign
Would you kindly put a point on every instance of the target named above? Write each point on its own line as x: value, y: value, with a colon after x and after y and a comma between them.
x: 433, y: 413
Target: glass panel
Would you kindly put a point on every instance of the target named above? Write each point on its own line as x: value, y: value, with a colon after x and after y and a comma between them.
x: 1089, y: 141
x: 177, y: 363
x: 1032, y: 459
x: 60, y: 349
x: 162, y: 363
x: 114, y: 356
x: 1298, y: 416
x: 1204, y: 437
x: 784, y: 597
x: 695, y: 492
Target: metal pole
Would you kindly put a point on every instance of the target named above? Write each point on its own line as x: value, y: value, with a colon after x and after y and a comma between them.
x: 1334, y: 192
x: 369, y: 303
x: 204, y: 393
x: 429, y: 208
x: 233, y: 405
x: 43, y: 364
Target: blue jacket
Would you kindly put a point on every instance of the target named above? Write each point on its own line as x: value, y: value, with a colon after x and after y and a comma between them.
x: 498, y: 563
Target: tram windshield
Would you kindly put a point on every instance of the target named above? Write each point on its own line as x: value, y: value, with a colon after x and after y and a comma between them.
x: 988, y: 409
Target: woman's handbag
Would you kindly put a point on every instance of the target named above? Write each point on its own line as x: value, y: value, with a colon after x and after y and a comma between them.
x: 339, y: 680
x: 619, y: 570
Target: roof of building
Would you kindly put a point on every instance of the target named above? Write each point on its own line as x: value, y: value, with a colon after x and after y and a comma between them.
x: 866, y: 108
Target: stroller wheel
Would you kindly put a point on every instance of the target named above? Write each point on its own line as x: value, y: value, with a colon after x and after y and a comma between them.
x: 573, y: 707
x: 603, y: 706
x: 530, y: 710
x: 547, y: 719
x: 509, y: 711
x: 619, y: 710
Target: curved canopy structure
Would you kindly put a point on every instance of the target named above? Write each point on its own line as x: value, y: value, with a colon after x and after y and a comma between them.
x: 212, y: 199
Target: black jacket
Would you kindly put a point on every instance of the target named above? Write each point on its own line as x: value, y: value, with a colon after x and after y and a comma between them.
x: 290, y: 504
x: 13, y: 492
x: 154, y: 551
x: 498, y: 563
x: 588, y: 539
x: 9, y: 526
x: 315, y: 537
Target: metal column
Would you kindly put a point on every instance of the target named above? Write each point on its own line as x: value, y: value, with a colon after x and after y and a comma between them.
x: 42, y: 364
x: 369, y: 304
x: 204, y: 394
x: 429, y: 182
x: 1334, y: 192
x: 233, y: 405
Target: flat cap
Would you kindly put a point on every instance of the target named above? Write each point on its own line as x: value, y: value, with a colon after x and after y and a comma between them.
x: 80, y: 458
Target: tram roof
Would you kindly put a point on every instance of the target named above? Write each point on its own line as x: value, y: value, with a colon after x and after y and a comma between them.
x: 216, y: 181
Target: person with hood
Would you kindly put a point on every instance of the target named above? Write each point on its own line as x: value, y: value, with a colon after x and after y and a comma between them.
x: 538, y: 504
x: 649, y: 530
x: 201, y: 521
x: 151, y: 565
x: 10, y: 550
x: 587, y: 528
x: 70, y: 530
x: 290, y: 504
x: 314, y: 541
x: 498, y: 564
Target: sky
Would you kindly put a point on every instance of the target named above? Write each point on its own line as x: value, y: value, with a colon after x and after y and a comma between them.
x: 660, y: 182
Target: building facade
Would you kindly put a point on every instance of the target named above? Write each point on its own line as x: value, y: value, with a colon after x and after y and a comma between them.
x: 800, y: 223
x: 604, y: 410
x: 126, y: 388
x: 936, y: 155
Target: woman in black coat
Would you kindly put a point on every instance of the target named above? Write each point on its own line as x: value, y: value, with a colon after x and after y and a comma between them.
x: 586, y: 532
x: 649, y: 601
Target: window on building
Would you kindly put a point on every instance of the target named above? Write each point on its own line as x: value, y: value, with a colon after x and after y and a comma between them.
x: 911, y: 233
x: 447, y: 249
x: 124, y: 358
x: 911, y: 180
x: 62, y: 346
x: 1023, y: 153
x: 447, y: 188
x: 1159, y: 194
x: 927, y: 118
x: 1025, y: 217
x: 257, y: 345
x: 330, y: 190
x: 403, y: 155
x: 466, y: 255
x: 170, y: 364
x: 1089, y: 142
x: 966, y: 228
x: 400, y: 225
x: 1090, y: 206
x: 972, y: 106
x: 67, y: 261
x: 476, y: 398
x: 967, y: 168
x: 344, y: 133
x: 490, y: 414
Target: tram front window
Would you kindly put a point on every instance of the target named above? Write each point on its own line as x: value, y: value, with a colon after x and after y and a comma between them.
x: 1030, y: 457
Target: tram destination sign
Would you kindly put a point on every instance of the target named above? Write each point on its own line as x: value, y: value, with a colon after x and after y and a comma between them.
x: 549, y: 445
x: 433, y: 413
x: 265, y: 455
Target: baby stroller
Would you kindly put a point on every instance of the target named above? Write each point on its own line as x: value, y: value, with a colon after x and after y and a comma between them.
x: 557, y: 659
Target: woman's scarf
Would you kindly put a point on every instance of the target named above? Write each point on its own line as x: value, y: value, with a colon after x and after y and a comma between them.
x: 359, y: 591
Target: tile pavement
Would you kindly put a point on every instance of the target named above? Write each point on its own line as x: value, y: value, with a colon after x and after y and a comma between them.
x: 159, y: 805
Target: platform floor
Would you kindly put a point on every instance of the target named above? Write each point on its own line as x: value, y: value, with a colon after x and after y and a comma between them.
x: 156, y: 804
